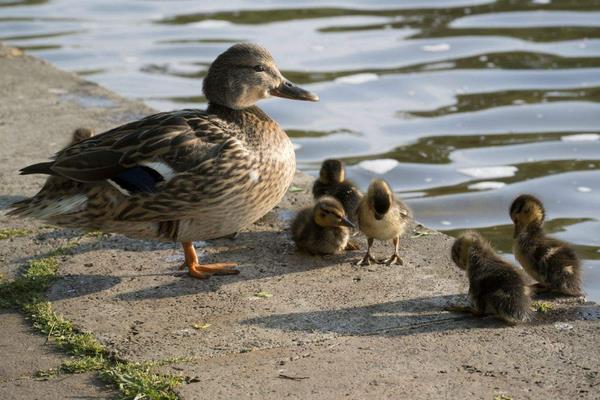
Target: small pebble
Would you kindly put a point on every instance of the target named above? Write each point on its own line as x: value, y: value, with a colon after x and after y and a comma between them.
x: 563, y: 326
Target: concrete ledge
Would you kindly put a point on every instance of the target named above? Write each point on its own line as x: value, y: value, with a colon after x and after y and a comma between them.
x: 330, y: 329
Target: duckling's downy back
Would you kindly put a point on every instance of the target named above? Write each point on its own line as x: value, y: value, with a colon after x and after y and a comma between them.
x: 495, y: 286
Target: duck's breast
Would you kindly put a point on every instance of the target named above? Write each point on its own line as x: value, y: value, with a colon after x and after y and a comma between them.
x: 258, y: 187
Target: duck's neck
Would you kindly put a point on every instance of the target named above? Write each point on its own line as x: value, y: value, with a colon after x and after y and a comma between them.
x: 258, y: 129
x: 243, y: 117
x: 535, y: 229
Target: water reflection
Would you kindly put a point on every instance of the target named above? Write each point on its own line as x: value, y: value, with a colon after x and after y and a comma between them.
x: 460, y: 104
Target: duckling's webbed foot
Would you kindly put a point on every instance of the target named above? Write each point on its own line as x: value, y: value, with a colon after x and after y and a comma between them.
x: 368, y: 257
x: 393, y: 260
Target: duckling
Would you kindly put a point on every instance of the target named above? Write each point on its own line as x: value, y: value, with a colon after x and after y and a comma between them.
x: 332, y: 182
x: 495, y: 286
x: 382, y: 217
x: 181, y: 175
x: 81, y: 134
x: 322, y: 229
x: 551, y: 262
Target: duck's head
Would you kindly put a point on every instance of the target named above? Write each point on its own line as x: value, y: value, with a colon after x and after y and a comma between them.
x: 246, y: 73
x: 329, y: 213
x: 462, y: 245
x: 380, y: 197
x: 332, y: 171
x: 525, y: 211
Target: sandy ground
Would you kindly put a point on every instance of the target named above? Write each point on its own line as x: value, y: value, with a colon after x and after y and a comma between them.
x: 329, y: 330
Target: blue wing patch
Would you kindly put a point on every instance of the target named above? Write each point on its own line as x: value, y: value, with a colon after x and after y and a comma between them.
x: 138, y: 179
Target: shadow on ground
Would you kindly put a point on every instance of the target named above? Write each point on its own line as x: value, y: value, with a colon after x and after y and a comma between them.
x: 408, y: 317
x: 259, y: 254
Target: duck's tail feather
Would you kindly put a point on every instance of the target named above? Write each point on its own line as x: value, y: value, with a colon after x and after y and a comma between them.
x: 19, y: 208
x: 39, y: 168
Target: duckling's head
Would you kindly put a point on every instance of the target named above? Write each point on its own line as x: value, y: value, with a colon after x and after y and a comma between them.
x: 246, y: 73
x: 526, y: 210
x: 332, y: 171
x: 329, y: 213
x: 462, y: 245
x: 380, y: 197
x: 81, y: 134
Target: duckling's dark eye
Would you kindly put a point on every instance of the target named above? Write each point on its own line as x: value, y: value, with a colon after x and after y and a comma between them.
x: 259, y: 68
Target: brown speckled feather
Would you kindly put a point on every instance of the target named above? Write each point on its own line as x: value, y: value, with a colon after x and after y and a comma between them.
x: 231, y: 167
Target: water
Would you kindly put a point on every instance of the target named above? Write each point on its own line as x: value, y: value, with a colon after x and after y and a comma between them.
x: 459, y: 104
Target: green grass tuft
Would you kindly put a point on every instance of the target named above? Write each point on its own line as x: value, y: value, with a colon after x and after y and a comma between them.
x: 542, y: 307
x: 56, y: 327
x: 77, y: 365
x: 27, y: 293
x: 84, y: 364
x: 134, y: 379
x: 8, y: 233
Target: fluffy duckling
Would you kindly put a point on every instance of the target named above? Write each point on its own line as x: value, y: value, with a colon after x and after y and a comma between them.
x: 332, y: 182
x: 322, y: 229
x: 495, y: 286
x: 382, y: 217
x: 80, y: 134
x: 549, y: 261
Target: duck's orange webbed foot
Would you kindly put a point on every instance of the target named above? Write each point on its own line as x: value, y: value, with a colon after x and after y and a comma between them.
x: 204, y: 271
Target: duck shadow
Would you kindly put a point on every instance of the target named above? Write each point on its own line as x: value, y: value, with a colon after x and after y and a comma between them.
x: 77, y: 242
x: 266, y: 253
x: 78, y: 285
x: 396, y: 318
x: 407, y: 317
x: 100, y: 241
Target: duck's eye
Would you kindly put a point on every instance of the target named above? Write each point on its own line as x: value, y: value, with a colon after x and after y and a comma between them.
x: 259, y: 68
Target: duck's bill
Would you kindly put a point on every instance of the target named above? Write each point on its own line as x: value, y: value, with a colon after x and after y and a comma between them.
x: 348, y: 223
x: 288, y: 90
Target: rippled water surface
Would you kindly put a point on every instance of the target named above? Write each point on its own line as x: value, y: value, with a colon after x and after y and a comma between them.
x: 459, y: 104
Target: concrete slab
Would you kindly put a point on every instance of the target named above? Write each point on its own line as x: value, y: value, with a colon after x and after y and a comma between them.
x: 477, y: 360
x: 369, y: 332
x: 24, y: 353
x: 146, y: 309
x: 80, y: 386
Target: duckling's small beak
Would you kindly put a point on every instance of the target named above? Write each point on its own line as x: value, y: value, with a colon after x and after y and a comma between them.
x: 348, y: 223
x: 288, y: 90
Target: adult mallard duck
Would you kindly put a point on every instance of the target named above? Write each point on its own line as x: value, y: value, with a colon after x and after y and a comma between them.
x: 181, y: 175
